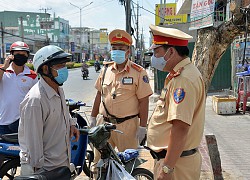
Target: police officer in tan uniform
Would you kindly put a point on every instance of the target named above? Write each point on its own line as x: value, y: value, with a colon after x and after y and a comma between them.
x: 122, y: 97
x: 176, y: 127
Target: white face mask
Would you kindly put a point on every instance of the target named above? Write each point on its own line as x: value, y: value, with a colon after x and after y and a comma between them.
x: 158, y: 63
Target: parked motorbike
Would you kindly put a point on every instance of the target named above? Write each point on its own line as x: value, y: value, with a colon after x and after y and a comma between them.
x: 97, y: 66
x: 126, y: 162
x: 9, y: 155
x: 10, y: 160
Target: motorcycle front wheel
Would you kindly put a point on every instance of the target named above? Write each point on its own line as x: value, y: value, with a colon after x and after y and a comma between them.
x: 9, y: 169
x: 89, y: 157
x: 142, y: 174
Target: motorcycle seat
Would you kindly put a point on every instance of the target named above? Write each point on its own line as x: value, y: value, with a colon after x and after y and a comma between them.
x: 62, y: 173
x: 11, y: 138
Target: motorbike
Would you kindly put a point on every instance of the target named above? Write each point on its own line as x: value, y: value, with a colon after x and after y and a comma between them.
x: 123, y: 162
x: 97, y: 66
x: 10, y: 160
x: 85, y: 74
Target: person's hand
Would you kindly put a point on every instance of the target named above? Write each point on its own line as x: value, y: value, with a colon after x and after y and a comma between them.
x: 92, y: 121
x: 141, y: 133
x: 7, y: 61
x: 26, y: 169
x: 74, y: 132
x: 164, y: 176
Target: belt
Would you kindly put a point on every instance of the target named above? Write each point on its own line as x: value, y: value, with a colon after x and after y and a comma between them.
x: 116, y: 120
x: 162, y: 154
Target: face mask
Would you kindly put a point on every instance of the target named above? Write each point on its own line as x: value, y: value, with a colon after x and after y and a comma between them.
x: 62, y: 75
x: 118, y: 56
x: 20, y: 59
x: 158, y: 63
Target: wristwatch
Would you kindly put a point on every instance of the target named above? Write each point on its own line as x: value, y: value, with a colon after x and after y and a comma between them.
x: 167, y: 169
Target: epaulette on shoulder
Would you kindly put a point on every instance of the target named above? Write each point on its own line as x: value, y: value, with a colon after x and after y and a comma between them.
x: 32, y: 74
x: 136, y: 67
x: 108, y: 62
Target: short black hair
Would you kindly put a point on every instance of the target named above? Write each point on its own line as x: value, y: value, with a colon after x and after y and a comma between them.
x: 181, y: 50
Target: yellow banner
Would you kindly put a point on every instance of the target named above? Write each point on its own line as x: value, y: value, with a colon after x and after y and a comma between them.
x: 103, y: 37
x: 168, y: 12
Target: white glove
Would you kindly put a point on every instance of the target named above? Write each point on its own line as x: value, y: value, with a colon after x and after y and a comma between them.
x: 92, y: 121
x: 26, y: 169
x: 141, y: 132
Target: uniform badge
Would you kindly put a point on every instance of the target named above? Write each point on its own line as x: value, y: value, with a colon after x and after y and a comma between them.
x: 127, y: 81
x: 179, y: 95
x: 145, y: 79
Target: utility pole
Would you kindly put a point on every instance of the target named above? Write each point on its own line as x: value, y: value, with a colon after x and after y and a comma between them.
x: 137, y: 26
x: 128, y: 16
x: 46, y: 24
x: 2, y: 42
x: 22, y: 33
x: 80, y: 40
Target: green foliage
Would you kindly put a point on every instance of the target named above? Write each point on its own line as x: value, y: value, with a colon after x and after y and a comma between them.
x: 70, y: 65
x: 77, y: 65
x: 91, y: 62
x: 30, y: 65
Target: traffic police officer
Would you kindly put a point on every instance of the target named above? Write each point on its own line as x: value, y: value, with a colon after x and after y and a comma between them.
x: 177, y: 124
x: 122, y: 97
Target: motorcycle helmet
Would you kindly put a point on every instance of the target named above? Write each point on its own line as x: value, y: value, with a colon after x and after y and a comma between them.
x: 49, y: 55
x: 19, y: 46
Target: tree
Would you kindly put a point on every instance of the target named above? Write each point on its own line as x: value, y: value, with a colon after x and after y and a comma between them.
x: 212, y: 42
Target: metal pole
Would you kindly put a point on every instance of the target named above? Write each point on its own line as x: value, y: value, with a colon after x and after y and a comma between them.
x: 22, y: 33
x: 128, y: 16
x: 80, y: 41
x: 80, y: 35
x: 2, y: 41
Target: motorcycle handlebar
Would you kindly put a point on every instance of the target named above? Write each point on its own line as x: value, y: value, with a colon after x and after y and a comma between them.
x: 110, y: 126
x: 84, y: 130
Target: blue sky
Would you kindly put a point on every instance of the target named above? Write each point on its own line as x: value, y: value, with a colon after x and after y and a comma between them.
x: 100, y: 14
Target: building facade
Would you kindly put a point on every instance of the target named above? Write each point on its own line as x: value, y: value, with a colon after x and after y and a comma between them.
x: 88, y: 43
x: 36, y: 29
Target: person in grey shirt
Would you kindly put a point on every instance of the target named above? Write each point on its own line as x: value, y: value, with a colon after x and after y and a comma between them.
x: 45, y: 126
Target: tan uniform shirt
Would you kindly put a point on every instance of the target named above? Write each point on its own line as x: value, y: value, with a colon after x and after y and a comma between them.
x: 44, y: 128
x: 128, y: 86
x: 185, y: 101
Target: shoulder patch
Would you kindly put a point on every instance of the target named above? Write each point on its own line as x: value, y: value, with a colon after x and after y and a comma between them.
x: 179, y: 95
x: 32, y: 74
x: 136, y: 67
x: 145, y: 79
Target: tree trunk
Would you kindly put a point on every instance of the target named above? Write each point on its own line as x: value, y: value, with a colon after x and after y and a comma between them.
x: 212, y: 43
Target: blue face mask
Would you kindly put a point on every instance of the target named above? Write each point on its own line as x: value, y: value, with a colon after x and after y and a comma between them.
x: 118, y: 56
x: 62, y: 75
x: 158, y: 63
